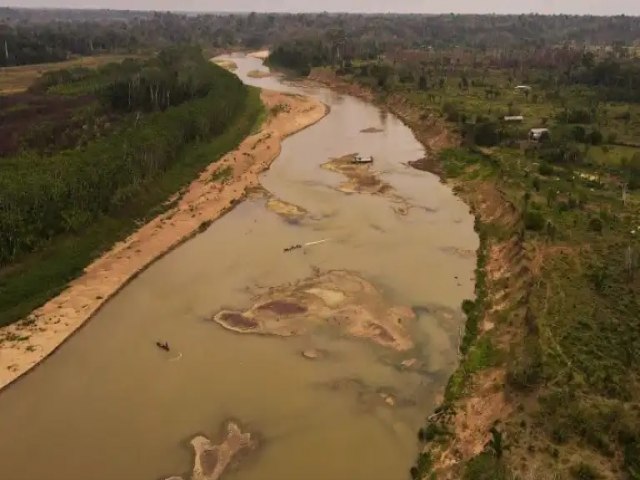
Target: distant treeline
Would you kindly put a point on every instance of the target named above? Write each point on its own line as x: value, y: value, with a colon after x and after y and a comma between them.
x: 188, y: 99
x: 32, y: 36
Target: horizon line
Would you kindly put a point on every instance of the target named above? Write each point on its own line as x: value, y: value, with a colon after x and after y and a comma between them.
x: 298, y: 12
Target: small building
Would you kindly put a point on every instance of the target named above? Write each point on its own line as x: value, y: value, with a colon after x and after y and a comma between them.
x: 514, y: 118
x: 539, y: 134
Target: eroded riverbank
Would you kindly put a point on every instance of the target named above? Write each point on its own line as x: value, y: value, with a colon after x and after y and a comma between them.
x: 325, y: 402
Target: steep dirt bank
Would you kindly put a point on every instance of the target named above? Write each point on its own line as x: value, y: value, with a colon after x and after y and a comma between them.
x: 25, y: 344
x: 473, y: 402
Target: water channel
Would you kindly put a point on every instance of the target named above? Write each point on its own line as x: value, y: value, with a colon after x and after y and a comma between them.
x: 109, y: 405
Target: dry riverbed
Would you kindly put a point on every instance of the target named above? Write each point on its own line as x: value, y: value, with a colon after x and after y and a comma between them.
x: 225, y: 182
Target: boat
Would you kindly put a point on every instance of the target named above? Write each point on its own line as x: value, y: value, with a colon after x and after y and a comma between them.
x: 361, y: 159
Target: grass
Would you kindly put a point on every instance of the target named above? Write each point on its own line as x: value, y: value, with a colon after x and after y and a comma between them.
x: 222, y: 174
x: 18, y: 79
x: 26, y: 285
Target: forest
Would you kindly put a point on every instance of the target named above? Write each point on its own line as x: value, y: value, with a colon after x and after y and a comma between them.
x: 34, y: 36
x: 124, y: 129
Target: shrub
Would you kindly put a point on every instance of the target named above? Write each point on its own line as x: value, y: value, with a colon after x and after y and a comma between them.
x: 525, y: 368
x: 486, y: 134
x: 485, y: 467
x: 632, y: 459
x: 534, y: 220
x: 536, y: 184
x: 545, y: 169
x: 596, y: 137
x: 451, y: 112
x: 584, y: 471
x: 577, y: 115
x: 595, y: 225
x: 422, y: 467
x: 579, y: 134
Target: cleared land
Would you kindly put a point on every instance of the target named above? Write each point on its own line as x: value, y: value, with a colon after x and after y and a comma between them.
x: 19, y: 79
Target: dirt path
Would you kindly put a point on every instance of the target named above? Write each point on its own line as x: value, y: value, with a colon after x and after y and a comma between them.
x: 222, y: 184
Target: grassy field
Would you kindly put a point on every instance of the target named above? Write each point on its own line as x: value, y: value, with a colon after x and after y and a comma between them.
x: 42, y: 275
x: 19, y: 79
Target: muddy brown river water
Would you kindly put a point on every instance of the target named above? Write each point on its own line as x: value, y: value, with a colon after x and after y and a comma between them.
x: 110, y: 405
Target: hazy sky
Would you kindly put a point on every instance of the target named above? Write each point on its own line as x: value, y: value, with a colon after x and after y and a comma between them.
x: 596, y: 7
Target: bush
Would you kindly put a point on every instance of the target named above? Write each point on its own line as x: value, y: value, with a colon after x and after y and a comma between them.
x: 596, y: 137
x: 584, y: 471
x: 451, y: 112
x: 422, y: 467
x: 486, y: 134
x: 595, y: 225
x: 534, y: 220
x: 579, y: 134
x: 545, y: 169
x: 485, y: 467
x: 536, y: 184
x: 632, y: 459
x: 525, y: 367
x: 576, y: 115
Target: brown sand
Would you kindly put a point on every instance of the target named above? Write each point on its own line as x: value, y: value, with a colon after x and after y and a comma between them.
x: 211, y: 460
x: 285, y: 209
x: 25, y: 344
x: 360, y: 177
x: 258, y: 74
x: 261, y: 54
x: 336, y: 298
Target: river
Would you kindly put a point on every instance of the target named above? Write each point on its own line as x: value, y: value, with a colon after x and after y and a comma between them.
x: 110, y: 405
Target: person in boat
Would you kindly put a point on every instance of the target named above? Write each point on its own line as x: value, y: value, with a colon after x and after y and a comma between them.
x: 164, y: 346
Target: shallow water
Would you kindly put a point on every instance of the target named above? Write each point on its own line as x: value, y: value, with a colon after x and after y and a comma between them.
x: 110, y: 405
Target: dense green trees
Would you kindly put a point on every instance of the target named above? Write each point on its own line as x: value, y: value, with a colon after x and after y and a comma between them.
x: 33, y: 36
x: 43, y: 196
x: 301, y: 54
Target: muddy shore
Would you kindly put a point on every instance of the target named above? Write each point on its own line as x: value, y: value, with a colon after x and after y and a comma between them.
x: 26, y: 343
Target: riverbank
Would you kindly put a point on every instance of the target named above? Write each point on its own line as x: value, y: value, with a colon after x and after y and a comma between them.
x: 217, y: 189
x: 474, y: 398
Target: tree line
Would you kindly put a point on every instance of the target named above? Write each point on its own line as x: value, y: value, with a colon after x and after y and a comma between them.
x: 33, y: 36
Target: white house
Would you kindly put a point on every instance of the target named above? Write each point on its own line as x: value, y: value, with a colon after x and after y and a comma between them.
x: 539, y: 134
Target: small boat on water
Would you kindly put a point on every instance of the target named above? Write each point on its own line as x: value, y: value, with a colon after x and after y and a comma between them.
x: 361, y: 159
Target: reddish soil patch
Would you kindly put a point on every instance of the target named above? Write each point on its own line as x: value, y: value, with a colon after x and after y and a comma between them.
x: 239, y: 321
x: 209, y: 461
x: 283, y: 308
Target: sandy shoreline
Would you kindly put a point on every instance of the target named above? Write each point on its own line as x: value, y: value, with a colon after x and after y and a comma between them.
x: 25, y: 344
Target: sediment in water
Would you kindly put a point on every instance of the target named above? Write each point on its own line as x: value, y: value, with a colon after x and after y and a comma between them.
x: 336, y: 298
